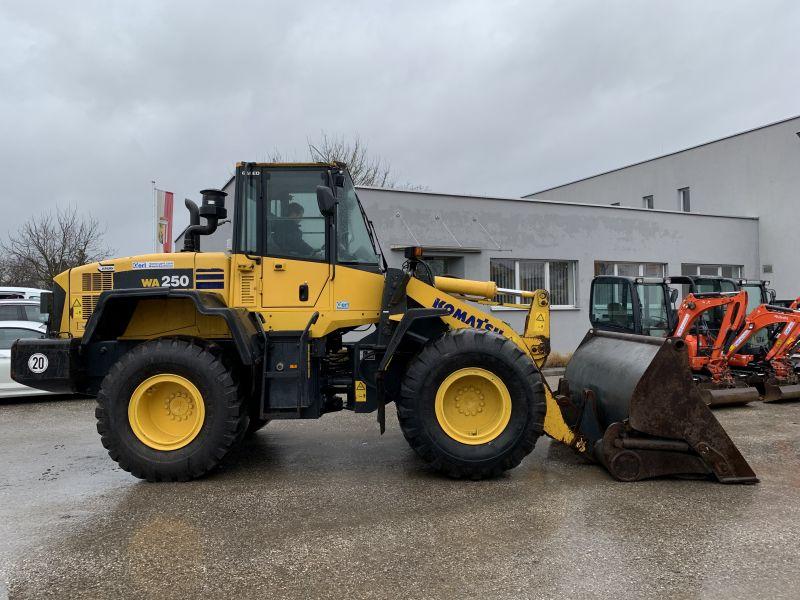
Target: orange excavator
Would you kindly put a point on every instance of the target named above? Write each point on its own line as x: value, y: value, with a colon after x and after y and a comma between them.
x: 770, y: 368
x: 707, y: 347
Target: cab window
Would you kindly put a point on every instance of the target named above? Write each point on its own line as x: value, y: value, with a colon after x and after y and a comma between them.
x: 653, y: 300
x: 612, y: 305
x: 354, y: 244
x: 295, y: 227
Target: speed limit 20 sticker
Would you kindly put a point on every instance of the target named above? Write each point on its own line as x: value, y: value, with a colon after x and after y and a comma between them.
x: 37, y: 363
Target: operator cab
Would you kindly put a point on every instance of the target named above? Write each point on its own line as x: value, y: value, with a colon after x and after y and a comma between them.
x: 640, y: 305
x: 758, y: 292
x: 302, y: 212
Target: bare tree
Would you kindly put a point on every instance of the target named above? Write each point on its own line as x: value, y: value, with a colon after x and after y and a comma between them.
x: 50, y: 243
x: 365, y: 168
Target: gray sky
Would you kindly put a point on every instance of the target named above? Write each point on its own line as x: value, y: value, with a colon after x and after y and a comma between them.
x: 501, y: 98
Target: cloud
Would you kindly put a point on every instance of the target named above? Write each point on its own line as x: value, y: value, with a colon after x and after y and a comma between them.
x: 500, y: 98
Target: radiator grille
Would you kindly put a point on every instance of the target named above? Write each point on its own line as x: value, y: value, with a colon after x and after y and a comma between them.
x: 89, y: 303
x: 248, y: 293
x: 97, y: 282
x: 93, y: 283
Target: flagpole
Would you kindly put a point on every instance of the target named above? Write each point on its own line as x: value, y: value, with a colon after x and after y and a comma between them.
x: 155, y: 217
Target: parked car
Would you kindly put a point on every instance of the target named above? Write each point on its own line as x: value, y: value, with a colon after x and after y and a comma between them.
x: 20, y: 292
x: 21, y: 310
x: 10, y: 331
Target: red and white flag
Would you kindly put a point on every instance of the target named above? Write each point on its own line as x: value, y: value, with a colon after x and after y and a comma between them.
x: 164, y: 220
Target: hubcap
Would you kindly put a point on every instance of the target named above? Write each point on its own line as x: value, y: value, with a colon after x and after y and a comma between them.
x: 473, y: 406
x: 166, y: 412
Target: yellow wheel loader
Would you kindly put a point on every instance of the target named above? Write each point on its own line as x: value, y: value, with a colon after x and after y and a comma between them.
x: 189, y: 352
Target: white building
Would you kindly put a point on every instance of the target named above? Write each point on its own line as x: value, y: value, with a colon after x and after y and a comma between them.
x: 754, y: 173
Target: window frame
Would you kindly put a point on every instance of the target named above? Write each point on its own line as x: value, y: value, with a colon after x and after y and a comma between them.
x: 263, y: 174
x: 648, y: 202
x: 546, y: 263
x: 719, y: 267
x: 641, y: 266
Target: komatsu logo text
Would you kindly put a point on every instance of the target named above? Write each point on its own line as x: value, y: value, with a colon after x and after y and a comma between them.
x: 463, y: 316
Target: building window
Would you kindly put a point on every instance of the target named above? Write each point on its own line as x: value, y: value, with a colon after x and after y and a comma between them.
x: 647, y: 202
x: 730, y: 271
x: 630, y: 269
x: 452, y: 266
x: 684, y: 203
x: 556, y: 276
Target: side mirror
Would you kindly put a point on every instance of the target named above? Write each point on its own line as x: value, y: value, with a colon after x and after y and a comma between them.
x: 673, y: 295
x: 326, y: 200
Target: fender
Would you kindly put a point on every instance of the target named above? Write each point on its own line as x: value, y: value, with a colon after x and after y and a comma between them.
x: 121, y: 304
x: 411, y: 315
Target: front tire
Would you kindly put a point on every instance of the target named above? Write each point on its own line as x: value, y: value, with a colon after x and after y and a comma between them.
x: 472, y: 404
x: 169, y: 410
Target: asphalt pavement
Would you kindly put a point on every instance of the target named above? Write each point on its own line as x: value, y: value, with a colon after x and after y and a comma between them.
x: 330, y: 509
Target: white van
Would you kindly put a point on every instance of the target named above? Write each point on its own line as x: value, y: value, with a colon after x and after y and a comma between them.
x: 15, y: 293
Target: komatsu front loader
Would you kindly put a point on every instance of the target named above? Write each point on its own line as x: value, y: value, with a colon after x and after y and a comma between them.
x: 189, y: 352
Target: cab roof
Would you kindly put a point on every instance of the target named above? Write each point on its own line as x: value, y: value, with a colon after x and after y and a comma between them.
x: 292, y: 165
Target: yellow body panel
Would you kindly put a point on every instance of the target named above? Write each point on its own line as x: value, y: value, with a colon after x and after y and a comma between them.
x: 281, y: 279
x: 147, y: 271
x: 351, y: 299
x: 158, y: 318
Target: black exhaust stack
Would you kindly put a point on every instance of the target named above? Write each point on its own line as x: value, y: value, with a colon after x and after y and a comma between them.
x: 213, y: 209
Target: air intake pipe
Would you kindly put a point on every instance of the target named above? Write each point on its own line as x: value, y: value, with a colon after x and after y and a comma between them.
x: 212, y: 209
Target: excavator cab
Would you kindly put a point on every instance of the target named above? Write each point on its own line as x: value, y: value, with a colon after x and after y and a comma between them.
x: 758, y: 293
x: 638, y: 305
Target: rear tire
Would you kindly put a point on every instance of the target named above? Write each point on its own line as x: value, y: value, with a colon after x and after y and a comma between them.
x: 472, y: 404
x: 140, y: 422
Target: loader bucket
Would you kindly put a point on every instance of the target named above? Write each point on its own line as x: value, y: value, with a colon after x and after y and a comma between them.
x: 633, y: 399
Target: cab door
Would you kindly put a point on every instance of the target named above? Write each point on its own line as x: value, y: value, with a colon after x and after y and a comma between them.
x: 292, y: 283
x: 296, y: 266
x: 614, y: 305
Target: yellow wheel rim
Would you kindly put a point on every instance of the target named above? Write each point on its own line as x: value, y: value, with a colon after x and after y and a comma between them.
x: 473, y: 406
x: 166, y: 412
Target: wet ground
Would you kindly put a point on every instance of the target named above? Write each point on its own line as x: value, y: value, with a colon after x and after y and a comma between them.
x: 330, y: 509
